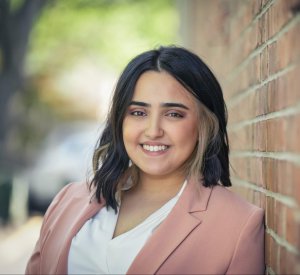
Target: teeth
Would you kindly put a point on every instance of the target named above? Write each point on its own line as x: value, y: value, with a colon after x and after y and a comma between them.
x: 155, y: 148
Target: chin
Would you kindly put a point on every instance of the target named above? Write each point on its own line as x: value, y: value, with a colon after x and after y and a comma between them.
x: 156, y: 172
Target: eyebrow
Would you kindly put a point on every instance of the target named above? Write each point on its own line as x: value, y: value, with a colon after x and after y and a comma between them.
x: 168, y: 104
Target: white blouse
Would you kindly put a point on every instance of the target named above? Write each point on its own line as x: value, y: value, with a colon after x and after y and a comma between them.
x: 94, y: 251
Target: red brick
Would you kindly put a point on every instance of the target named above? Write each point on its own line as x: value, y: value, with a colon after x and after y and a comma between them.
x: 251, y: 137
x: 274, y: 254
x: 283, y: 92
x: 248, y: 169
x: 260, y: 136
x: 287, y: 176
x: 225, y: 39
x: 256, y: 7
x: 285, y: 50
x: 293, y: 133
x: 263, y: 201
x: 270, y: 217
x: 268, y: 248
x: 276, y: 142
x: 239, y: 167
x: 282, y: 261
x: 296, y: 185
x: 264, y: 60
x: 240, y: 140
x: 276, y: 263
x: 273, y: 58
x: 280, y: 212
x: 244, y: 110
x: 293, y: 228
x: 263, y: 28
x: 284, y: 254
x: 251, y: 40
x: 258, y: 172
x: 241, y: 17
x: 261, y: 103
x: 289, y: 262
x: 279, y: 14
x: 258, y: 199
x: 247, y: 78
x: 281, y: 176
x: 269, y: 177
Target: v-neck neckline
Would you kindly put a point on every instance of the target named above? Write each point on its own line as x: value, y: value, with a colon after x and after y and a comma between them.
x: 148, y: 218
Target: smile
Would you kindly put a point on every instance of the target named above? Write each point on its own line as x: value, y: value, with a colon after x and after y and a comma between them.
x: 155, y: 148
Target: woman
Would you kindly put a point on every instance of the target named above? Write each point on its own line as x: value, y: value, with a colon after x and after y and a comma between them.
x: 157, y: 203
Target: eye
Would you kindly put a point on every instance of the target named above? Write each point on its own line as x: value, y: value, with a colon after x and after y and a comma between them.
x: 137, y: 113
x: 175, y: 115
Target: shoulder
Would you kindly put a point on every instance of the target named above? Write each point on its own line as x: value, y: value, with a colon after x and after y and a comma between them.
x: 75, y: 191
x: 233, y: 207
x: 222, y: 196
x: 68, y: 205
x: 243, y: 225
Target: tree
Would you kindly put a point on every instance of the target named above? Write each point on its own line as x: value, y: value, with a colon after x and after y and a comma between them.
x: 106, y: 31
x: 15, y: 27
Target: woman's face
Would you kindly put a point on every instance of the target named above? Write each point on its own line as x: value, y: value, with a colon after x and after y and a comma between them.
x: 160, y: 128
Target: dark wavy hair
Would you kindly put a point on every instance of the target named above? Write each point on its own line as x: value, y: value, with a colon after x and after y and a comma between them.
x: 111, y: 162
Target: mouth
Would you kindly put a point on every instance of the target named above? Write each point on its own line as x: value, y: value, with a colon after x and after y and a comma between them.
x: 154, y: 148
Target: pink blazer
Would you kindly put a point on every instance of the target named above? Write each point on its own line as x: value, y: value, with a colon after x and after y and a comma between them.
x: 209, y: 231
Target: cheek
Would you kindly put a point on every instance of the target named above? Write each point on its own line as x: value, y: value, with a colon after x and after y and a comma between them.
x: 188, y: 134
x: 130, y: 131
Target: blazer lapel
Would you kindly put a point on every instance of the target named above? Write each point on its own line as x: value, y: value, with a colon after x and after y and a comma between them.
x: 186, y: 215
x: 84, y: 212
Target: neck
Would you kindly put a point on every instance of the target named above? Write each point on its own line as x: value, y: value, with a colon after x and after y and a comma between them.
x: 159, y: 184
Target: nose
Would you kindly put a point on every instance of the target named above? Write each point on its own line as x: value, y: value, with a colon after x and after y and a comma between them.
x: 154, y: 128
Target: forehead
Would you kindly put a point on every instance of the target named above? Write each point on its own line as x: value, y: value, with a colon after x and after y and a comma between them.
x: 155, y: 86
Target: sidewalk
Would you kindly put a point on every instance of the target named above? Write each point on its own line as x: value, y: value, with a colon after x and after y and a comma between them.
x: 17, y: 246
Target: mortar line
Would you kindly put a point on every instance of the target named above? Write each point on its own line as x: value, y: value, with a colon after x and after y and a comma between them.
x: 292, y: 157
x: 270, y: 271
x: 236, y: 98
x: 282, y: 242
x: 286, y: 200
x: 290, y: 111
x: 293, y: 22
x: 256, y: 18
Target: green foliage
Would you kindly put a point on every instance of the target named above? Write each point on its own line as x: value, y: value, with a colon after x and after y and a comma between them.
x: 15, y: 4
x: 113, y: 31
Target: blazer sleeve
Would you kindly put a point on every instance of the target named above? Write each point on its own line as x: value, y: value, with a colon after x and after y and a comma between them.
x: 248, y: 257
x: 33, y: 265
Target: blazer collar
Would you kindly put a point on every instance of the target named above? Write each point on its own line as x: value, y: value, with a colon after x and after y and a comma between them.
x: 195, y: 197
x: 186, y: 215
x: 188, y: 210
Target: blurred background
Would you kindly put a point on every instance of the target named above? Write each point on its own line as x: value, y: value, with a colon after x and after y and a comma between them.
x: 59, y: 62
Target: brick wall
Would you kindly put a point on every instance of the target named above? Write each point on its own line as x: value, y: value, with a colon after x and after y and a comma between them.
x: 253, y: 46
